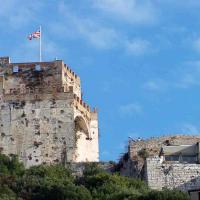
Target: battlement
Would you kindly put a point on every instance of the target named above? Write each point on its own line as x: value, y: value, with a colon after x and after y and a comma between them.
x: 41, y: 74
x: 71, y: 79
x: 71, y: 72
x: 84, y: 108
x: 39, y: 80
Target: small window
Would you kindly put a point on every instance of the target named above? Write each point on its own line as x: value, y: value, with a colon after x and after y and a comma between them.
x: 15, y: 69
x: 38, y: 68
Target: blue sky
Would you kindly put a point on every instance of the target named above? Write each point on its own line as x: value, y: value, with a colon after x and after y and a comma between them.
x: 139, y: 60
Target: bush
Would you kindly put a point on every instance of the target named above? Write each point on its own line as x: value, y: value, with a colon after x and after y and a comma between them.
x: 165, y: 195
x: 91, y: 169
x: 7, y: 194
x: 11, y: 166
x: 45, y: 182
x: 106, y: 186
x: 57, y: 183
x: 143, y: 153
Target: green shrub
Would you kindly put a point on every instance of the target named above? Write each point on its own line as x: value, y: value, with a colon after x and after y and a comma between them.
x: 57, y: 183
x: 11, y: 166
x: 7, y: 194
x: 165, y: 195
x: 143, y: 153
x: 91, y: 169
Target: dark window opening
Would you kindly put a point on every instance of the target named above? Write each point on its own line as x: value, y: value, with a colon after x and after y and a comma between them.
x: 181, y: 158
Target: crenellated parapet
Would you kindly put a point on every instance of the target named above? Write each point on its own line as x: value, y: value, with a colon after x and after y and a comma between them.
x: 84, y: 108
x: 71, y: 74
x: 70, y: 78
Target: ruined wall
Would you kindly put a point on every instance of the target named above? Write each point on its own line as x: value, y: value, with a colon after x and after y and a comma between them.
x: 181, y: 176
x: 153, y: 145
x: 133, y: 165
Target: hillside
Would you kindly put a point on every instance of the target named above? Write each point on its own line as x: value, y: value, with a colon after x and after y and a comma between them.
x: 57, y: 183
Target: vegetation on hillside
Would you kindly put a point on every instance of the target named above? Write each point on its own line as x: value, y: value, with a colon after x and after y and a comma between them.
x: 57, y: 183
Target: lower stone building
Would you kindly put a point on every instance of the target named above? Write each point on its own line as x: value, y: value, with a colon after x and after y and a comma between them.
x: 166, y: 162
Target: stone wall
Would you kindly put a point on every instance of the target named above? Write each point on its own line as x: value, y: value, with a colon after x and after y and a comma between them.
x: 181, y: 176
x: 133, y: 164
x: 153, y: 145
x: 87, y: 140
x: 43, y: 118
x: 39, y: 132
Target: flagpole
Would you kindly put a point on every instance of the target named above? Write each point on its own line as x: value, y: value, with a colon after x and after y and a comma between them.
x: 40, y: 44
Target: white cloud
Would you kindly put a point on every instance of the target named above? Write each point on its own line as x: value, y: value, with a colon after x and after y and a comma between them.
x: 132, y: 11
x: 86, y: 28
x: 183, y: 77
x: 137, y: 47
x: 156, y: 85
x: 100, y: 37
x: 96, y: 33
x: 130, y: 109
x: 17, y: 13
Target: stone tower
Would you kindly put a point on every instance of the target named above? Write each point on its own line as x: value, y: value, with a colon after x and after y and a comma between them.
x: 43, y: 118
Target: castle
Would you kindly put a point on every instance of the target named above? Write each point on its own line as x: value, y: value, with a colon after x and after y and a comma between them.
x: 43, y: 118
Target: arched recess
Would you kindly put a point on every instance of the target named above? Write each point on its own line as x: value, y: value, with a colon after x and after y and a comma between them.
x: 81, y: 125
x: 82, y: 140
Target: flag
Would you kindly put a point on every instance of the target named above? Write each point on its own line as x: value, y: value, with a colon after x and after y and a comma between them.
x: 35, y: 34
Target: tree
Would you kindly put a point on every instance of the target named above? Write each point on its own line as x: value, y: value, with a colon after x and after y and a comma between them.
x: 56, y: 182
x: 10, y: 165
x: 50, y: 182
x: 165, y: 195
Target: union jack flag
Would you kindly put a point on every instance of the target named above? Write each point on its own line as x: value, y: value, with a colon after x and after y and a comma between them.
x: 35, y: 34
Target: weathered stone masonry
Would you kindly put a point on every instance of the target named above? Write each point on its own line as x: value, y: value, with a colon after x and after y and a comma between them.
x: 181, y: 176
x: 172, y: 162
x: 43, y: 118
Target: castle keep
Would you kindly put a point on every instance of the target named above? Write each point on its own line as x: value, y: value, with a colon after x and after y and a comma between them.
x: 43, y: 118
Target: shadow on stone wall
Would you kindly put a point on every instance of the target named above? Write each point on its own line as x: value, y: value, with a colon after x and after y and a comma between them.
x: 193, y: 184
